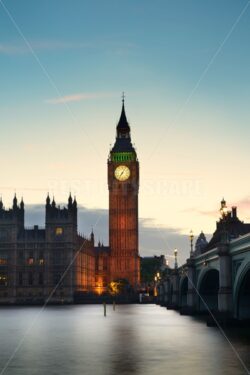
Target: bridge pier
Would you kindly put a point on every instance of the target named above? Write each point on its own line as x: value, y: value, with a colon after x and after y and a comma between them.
x: 225, y: 300
x: 161, y: 294
x: 166, y: 287
x: 191, y: 294
x: 174, y: 303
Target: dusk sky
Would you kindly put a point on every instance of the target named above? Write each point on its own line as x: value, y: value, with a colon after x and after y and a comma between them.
x: 184, y: 68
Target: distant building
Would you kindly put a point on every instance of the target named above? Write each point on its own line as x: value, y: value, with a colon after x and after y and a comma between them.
x: 56, y: 263
x: 201, y: 244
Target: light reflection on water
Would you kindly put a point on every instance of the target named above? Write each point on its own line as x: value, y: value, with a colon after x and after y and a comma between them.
x: 134, y: 339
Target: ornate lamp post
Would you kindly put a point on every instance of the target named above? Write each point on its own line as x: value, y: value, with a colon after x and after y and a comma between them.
x: 175, y: 258
x: 223, y: 209
x: 191, y: 236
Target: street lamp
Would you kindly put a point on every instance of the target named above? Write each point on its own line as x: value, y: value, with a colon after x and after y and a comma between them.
x: 191, y: 236
x: 155, y: 285
x: 175, y: 258
x: 223, y: 209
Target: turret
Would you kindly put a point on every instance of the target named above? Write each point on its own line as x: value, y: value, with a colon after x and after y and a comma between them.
x: 123, y: 128
x: 15, y: 202
x: 48, y: 200
x: 75, y: 203
x: 123, y: 148
x: 200, y: 244
x: 92, y: 238
x: 53, y: 204
x: 70, y: 201
x: 22, y: 204
x: 234, y: 212
x: 60, y: 221
x: 22, y: 211
x: 13, y: 216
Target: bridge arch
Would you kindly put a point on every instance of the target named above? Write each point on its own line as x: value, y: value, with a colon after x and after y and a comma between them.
x: 208, y: 288
x: 183, y: 291
x: 166, y: 285
x: 241, y: 295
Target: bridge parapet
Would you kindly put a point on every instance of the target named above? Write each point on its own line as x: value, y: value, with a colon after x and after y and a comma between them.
x: 217, y: 280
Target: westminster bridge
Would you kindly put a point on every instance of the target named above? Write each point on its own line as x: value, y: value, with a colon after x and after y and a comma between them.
x: 216, y: 276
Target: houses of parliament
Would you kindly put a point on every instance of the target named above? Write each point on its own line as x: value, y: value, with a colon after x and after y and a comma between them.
x: 55, y: 263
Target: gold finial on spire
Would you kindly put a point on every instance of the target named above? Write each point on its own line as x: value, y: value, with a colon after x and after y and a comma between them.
x: 123, y: 97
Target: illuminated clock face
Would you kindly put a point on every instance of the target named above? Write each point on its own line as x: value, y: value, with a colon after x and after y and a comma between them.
x: 122, y: 173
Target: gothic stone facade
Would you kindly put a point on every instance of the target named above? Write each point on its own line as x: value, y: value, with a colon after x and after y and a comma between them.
x: 123, y: 182
x: 44, y: 264
x: 55, y: 263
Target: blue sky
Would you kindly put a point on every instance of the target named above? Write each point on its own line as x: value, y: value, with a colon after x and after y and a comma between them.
x: 184, y: 67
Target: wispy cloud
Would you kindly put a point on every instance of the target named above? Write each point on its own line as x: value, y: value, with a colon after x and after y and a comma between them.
x: 103, y: 45
x: 12, y: 48
x: 210, y: 213
x: 243, y: 206
x: 78, y: 97
x: 154, y: 239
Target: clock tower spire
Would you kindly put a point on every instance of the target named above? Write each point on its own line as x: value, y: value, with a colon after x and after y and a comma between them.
x: 123, y: 128
x: 123, y: 183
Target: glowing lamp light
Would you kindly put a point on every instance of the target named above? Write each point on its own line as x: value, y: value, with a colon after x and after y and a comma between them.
x: 191, y: 236
x: 224, y: 211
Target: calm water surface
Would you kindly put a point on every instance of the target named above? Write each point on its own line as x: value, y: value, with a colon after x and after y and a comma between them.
x: 134, y: 339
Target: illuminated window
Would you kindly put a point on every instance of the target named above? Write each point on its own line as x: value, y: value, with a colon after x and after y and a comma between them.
x: 3, y: 258
x: 59, y: 231
x: 30, y: 261
x: 3, y: 279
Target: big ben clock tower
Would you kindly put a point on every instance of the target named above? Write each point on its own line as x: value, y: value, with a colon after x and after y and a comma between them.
x: 123, y: 183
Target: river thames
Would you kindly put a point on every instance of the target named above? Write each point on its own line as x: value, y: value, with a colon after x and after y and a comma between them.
x: 133, y: 339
